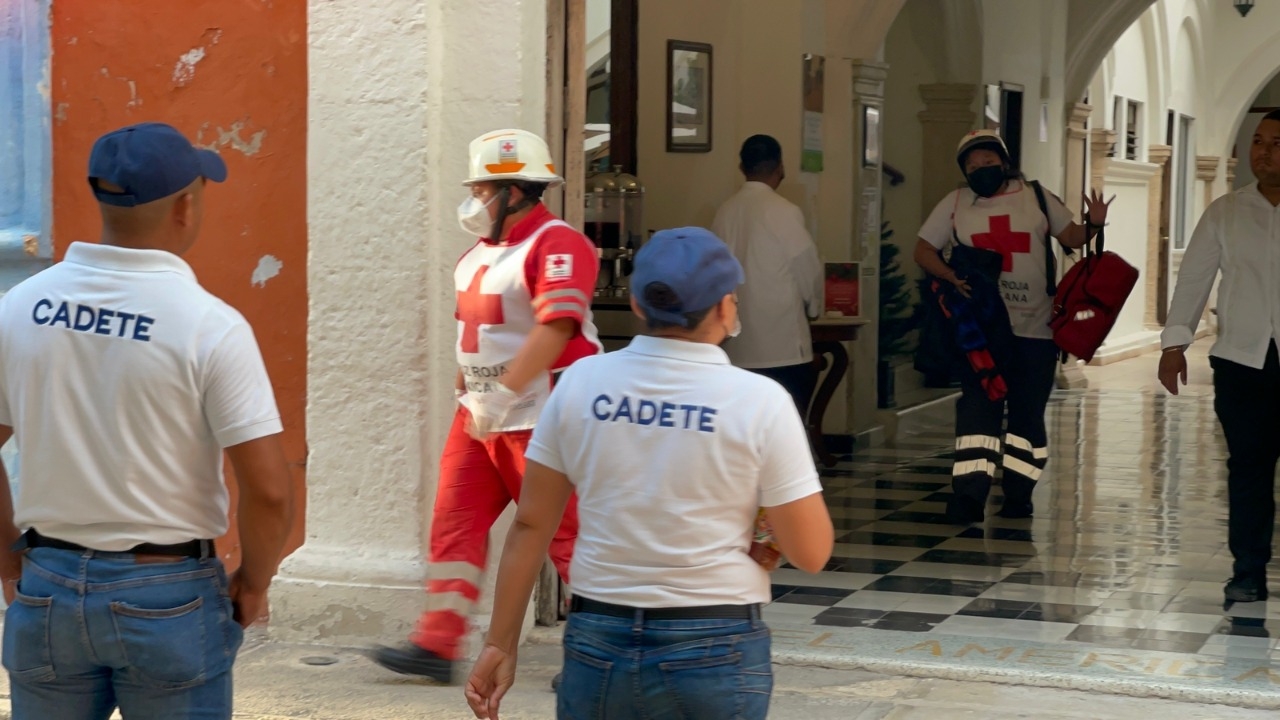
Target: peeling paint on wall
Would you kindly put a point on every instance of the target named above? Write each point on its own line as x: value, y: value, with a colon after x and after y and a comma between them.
x: 185, y: 71
x: 218, y: 50
x: 231, y: 139
x: 268, y: 267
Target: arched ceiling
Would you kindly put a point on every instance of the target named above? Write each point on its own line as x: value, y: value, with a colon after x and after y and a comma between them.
x: 1093, y: 27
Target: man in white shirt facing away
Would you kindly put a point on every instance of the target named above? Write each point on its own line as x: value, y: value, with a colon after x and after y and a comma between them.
x: 1239, y: 236
x: 122, y: 382
x: 783, y: 290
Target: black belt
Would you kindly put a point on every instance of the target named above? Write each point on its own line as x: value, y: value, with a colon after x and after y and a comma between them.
x: 197, y: 549
x: 704, y: 612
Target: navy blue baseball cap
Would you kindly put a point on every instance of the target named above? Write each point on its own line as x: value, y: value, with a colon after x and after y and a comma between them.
x: 150, y: 161
x: 694, y: 263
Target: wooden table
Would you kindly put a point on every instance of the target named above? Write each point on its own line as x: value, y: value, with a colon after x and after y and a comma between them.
x: 829, y: 336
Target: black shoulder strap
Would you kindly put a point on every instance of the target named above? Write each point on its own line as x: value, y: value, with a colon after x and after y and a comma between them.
x: 1050, y: 265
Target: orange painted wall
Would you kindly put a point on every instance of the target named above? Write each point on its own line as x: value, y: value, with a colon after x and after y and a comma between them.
x: 232, y: 75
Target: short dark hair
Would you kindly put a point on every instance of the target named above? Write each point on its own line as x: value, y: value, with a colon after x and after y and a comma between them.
x: 1273, y: 115
x: 760, y: 155
x: 661, y: 296
x: 532, y: 190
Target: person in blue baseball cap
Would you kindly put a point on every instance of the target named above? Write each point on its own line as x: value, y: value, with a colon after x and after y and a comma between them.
x: 123, y: 382
x: 672, y: 451
x: 149, y: 182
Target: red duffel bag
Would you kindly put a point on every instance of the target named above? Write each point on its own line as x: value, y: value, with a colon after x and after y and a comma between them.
x: 1089, y: 300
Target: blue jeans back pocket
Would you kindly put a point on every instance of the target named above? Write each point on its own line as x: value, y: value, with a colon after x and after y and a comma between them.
x: 165, y: 647
x: 26, y: 652
x: 584, y: 685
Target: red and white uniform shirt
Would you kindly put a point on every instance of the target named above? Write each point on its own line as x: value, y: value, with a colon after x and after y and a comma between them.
x: 1013, y: 225
x: 543, y: 272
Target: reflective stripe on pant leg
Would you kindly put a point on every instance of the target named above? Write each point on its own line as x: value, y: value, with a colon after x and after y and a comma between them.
x: 469, y: 499
x: 977, y: 458
x: 1024, y: 459
x: 976, y: 454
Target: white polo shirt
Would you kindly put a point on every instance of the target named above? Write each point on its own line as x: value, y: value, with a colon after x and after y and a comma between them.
x: 123, y: 380
x: 672, y: 451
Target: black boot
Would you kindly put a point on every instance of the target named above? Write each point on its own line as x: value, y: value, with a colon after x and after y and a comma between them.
x: 409, y: 659
x: 964, y: 510
x: 1017, y: 498
x: 1246, y: 587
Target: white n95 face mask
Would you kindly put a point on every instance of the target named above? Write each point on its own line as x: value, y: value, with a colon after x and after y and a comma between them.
x: 473, y: 216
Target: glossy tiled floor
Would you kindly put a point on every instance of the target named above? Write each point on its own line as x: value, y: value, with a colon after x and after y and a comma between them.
x: 1127, y: 549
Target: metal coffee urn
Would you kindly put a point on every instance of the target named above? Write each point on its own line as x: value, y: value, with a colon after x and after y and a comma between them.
x: 614, y: 222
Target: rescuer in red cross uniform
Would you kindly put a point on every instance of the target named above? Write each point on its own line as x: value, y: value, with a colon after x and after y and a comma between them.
x: 524, y: 313
x: 998, y: 211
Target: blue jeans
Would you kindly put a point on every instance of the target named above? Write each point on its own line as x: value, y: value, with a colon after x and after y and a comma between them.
x: 93, y: 630
x: 619, y: 669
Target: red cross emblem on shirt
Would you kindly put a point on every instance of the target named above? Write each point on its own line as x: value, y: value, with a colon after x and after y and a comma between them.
x: 1003, y: 240
x: 476, y: 308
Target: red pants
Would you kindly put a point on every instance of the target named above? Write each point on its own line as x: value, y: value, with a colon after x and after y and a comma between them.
x: 477, y: 482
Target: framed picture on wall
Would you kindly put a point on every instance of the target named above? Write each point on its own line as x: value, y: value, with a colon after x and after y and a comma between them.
x: 870, y: 136
x: 688, y: 97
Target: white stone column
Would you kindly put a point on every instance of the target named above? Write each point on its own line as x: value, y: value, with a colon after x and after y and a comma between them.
x: 1102, y: 143
x: 947, y: 116
x: 1232, y: 163
x: 1069, y: 374
x: 398, y: 90
x: 1157, y: 237
x: 868, y: 91
x: 1207, y: 173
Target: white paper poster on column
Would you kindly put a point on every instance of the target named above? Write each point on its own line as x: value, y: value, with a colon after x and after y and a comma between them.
x: 869, y: 211
x: 813, y: 100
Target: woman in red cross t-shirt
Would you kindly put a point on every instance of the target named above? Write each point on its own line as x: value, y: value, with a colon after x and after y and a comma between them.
x: 1000, y: 211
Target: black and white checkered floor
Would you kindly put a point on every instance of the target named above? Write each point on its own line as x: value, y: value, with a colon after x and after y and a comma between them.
x: 1127, y: 549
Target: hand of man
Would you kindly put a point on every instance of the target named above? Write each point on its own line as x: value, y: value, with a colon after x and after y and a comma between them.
x: 10, y: 573
x: 250, y: 604
x: 10, y: 590
x: 492, y: 676
x: 488, y: 410
x: 1173, y: 367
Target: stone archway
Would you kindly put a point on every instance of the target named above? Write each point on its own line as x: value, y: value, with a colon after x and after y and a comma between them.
x: 1093, y: 27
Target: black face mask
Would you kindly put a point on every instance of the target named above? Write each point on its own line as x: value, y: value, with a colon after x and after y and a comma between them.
x: 986, y: 181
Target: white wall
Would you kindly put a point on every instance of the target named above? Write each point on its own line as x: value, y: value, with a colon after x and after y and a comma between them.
x: 1023, y: 45
x: 909, y: 67
x: 1268, y: 97
x: 1244, y: 141
x: 398, y: 90
x: 1127, y: 235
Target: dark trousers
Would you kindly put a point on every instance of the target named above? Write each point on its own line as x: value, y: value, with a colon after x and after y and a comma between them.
x: 1029, y: 373
x: 1246, y: 401
x: 799, y: 380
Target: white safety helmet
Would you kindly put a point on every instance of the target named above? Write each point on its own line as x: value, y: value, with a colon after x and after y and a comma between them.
x: 988, y: 139
x: 511, y: 155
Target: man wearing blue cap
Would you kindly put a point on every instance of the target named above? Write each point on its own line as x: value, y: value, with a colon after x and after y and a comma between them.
x: 123, y: 382
x: 671, y: 451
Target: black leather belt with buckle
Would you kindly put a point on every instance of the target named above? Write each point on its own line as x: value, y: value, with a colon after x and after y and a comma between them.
x: 705, y: 612
x: 196, y: 549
